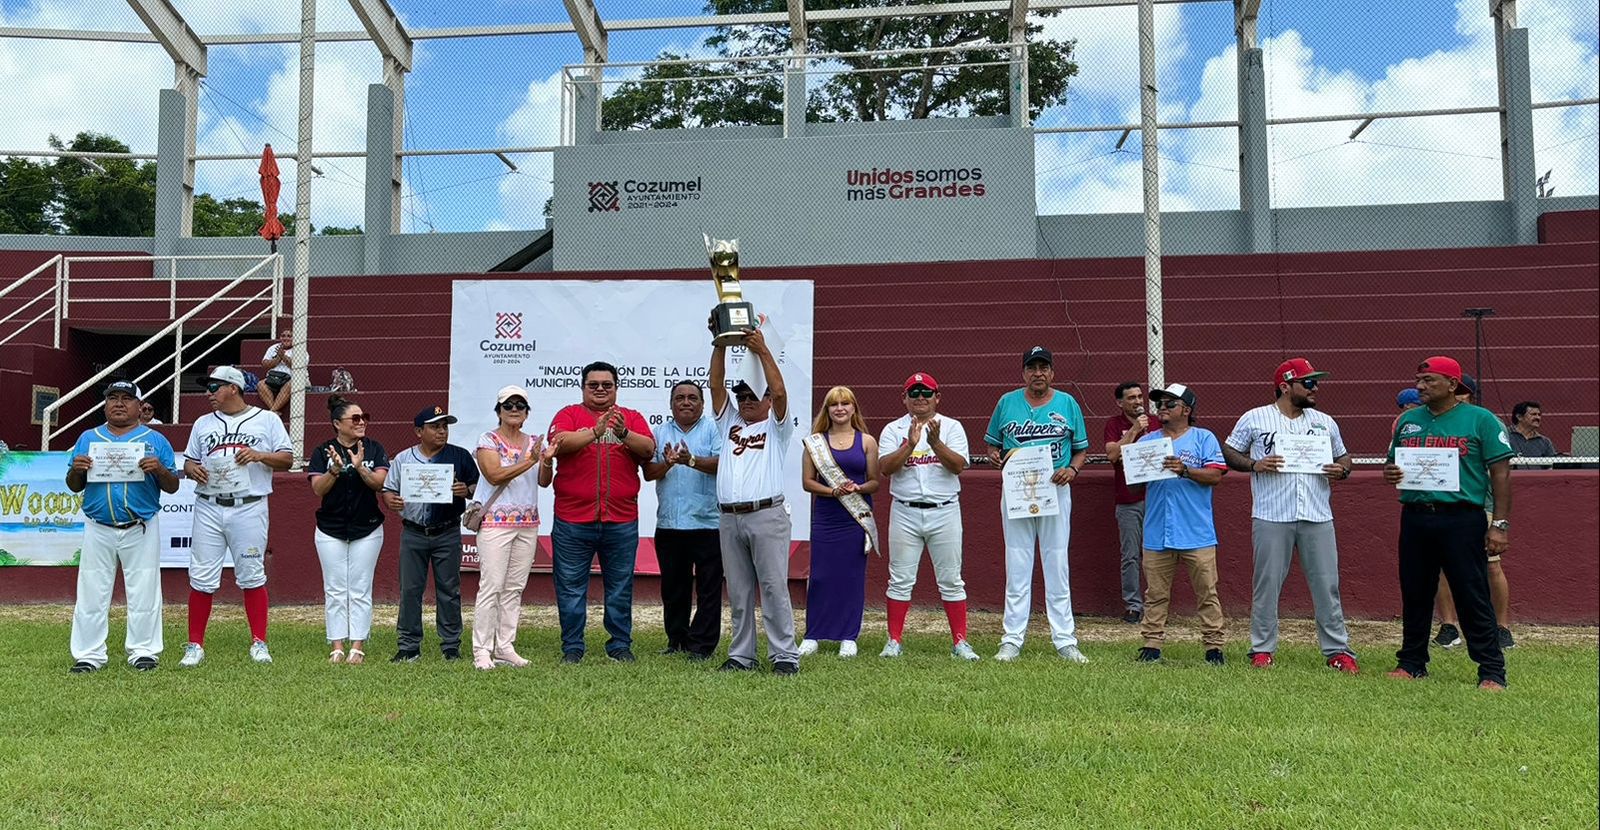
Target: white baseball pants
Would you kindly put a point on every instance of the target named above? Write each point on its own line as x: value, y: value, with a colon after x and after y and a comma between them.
x: 1051, y: 534
x: 139, y: 550
x: 347, y: 569
x: 241, y: 530
x: 937, y: 528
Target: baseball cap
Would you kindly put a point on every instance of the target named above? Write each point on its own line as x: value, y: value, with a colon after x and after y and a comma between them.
x: 1295, y: 368
x: 1177, y: 391
x: 1038, y: 353
x: 122, y: 387
x: 1408, y: 397
x: 506, y: 393
x: 432, y: 415
x: 1446, y: 366
x: 922, y: 379
x: 228, y: 374
x: 1469, y: 384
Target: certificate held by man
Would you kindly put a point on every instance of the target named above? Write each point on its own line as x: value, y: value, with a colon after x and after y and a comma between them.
x: 1025, y: 479
x: 1429, y: 468
x: 1303, y: 453
x: 1145, y: 461
x: 115, y: 462
x: 427, y: 483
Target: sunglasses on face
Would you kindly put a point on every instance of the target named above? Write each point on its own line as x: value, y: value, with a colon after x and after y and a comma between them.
x: 213, y: 387
x: 1309, y: 384
x: 357, y: 418
x: 599, y: 385
x: 513, y: 406
x: 919, y: 392
x: 1169, y: 403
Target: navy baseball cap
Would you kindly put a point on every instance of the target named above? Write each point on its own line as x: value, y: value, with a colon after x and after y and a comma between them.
x: 1038, y: 353
x: 432, y: 415
x: 1469, y: 384
x: 122, y: 387
x: 1176, y: 391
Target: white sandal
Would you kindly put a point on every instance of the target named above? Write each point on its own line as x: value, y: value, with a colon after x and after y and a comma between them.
x: 336, y: 656
x: 357, y: 657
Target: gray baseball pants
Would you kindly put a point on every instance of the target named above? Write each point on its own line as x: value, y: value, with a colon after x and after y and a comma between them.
x: 1275, y: 543
x: 1130, y: 533
x: 755, y: 554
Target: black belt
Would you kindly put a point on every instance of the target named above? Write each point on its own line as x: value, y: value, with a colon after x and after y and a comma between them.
x: 123, y: 526
x: 750, y: 506
x: 1441, y: 507
x: 230, y: 502
x: 429, y: 530
x: 925, y: 505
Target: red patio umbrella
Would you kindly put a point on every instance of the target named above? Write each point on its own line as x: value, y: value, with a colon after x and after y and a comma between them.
x: 272, y: 229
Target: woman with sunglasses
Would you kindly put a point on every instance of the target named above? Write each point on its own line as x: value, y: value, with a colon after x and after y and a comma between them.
x: 347, y: 471
x: 510, y: 530
x: 840, y: 470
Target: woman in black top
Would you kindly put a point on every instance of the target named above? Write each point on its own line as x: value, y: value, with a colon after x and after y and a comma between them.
x: 347, y: 472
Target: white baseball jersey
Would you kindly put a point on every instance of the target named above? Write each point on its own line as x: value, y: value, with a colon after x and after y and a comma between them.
x: 751, y: 465
x: 216, y: 437
x: 924, y: 477
x: 1285, y: 497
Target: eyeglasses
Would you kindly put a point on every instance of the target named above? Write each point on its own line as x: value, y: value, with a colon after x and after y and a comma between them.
x: 599, y: 385
x: 1309, y: 384
x: 1169, y: 403
x: 920, y: 392
x: 213, y: 387
x: 357, y: 418
x: 513, y: 406
x: 745, y: 397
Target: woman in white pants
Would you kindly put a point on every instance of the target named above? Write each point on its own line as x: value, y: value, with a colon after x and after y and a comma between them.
x: 347, y: 472
x: 510, y: 531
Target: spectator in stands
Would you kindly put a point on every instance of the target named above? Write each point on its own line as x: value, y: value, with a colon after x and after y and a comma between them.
x: 147, y: 413
x: 1179, y: 526
x: 1525, y: 436
x: 687, y: 547
x: 599, y: 449
x: 1122, y: 429
x: 509, y: 500
x: 430, y: 537
x: 841, y: 480
x: 347, y: 471
x: 278, y: 363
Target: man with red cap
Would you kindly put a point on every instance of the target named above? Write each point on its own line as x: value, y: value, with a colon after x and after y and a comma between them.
x: 1446, y: 529
x: 1291, y: 510
x: 922, y: 453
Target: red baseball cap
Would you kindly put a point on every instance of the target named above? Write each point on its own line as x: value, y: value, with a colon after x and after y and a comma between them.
x: 922, y: 379
x: 1295, y: 368
x: 1445, y: 366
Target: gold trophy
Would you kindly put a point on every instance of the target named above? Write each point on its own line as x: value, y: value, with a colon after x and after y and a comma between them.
x: 733, y: 314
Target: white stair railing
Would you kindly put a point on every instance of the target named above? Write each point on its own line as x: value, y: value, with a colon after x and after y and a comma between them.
x: 53, y: 292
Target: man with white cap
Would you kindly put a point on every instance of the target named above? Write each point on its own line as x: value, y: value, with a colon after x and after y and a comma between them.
x: 122, y: 527
x: 231, y: 456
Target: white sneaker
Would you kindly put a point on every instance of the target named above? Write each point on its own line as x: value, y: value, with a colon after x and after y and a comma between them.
x: 1071, y: 654
x: 847, y: 649
x: 808, y: 647
x: 963, y: 651
x: 259, y: 653
x: 1008, y: 652
x: 193, y: 653
x: 890, y: 649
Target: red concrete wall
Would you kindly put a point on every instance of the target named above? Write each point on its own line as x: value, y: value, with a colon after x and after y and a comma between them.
x: 1553, y: 566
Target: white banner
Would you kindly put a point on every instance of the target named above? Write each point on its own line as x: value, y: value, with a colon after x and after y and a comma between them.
x: 539, y: 334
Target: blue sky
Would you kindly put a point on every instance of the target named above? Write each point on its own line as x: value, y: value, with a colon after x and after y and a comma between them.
x: 1323, y: 58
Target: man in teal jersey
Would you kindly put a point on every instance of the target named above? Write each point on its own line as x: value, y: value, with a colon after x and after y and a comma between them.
x: 1036, y: 415
x: 1447, y: 529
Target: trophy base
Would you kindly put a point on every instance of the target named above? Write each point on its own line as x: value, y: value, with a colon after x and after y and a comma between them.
x: 731, y: 321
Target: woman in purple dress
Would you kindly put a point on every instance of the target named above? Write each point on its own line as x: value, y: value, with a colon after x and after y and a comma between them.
x: 841, y: 471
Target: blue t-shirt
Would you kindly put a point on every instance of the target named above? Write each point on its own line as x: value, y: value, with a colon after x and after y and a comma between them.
x: 687, y: 499
x: 1177, y: 511
x: 116, y: 503
x: 1057, y: 422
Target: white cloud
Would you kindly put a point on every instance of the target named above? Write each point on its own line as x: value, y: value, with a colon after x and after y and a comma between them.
x: 536, y: 122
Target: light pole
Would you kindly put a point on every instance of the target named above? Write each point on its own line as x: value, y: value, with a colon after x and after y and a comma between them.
x: 1477, y: 315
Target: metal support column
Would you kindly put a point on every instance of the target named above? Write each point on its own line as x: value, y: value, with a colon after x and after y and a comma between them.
x: 302, y: 227
x: 1019, y: 82
x: 1154, y: 325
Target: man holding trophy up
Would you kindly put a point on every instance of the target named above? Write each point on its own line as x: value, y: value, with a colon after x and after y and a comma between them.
x: 754, y: 522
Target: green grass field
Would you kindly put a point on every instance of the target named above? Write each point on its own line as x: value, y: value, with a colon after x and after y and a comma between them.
x: 922, y: 742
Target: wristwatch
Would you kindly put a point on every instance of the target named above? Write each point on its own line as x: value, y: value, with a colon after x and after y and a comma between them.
x: 1501, y: 525
x: 691, y: 460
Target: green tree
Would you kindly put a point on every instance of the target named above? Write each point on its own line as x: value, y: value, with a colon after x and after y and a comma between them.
x: 120, y: 201
x: 930, y: 85
x: 27, y: 197
x: 227, y: 217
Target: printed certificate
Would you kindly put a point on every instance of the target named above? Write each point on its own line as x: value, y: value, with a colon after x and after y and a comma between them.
x: 115, y: 462
x: 1303, y: 453
x: 1429, y: 468
x: 1025, y: 479
x: 426, y: 483
x: 224, y: 475
x: 1142, y: 460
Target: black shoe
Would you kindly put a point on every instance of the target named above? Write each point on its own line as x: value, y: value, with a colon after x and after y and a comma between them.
x: 734, y: 665
x: 404, y: 656
x: 1214, y: 657
x: 571, y: 658
x: 83, y: 667
x: 1448, y: 636
x: 699, y: 656
x: 1506, y: 640
x: 451, y: 654
x: 786, y: 668
x: 1133, y: 617
x: 671, y: 650
x: 146, y: 663
x: 621, y: 655
x: 1148, y: 655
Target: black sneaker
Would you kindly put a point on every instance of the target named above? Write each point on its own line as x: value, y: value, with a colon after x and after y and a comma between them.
x: 1133, y: 617
x: 1506, y: 640
x: 1148, y: 655
x: 699, y: 656
x: 572, y: 658
x: 404, y: 656
x: 671, y: 650
x: 146, y: 663
x: 786, y: 668
x: 1448, y: 636
x: 451, y: 654
x: 1214, y: 657
x: 83, y: 667
x: 621, y: 655
x: 734, y: 665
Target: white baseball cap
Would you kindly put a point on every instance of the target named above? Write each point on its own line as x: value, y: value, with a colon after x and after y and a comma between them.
x: 228, y: 374
x: 506, y: 393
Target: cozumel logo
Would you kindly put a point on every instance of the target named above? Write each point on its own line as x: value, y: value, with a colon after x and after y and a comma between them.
x: 508, y: 325
x: 603, y: 197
